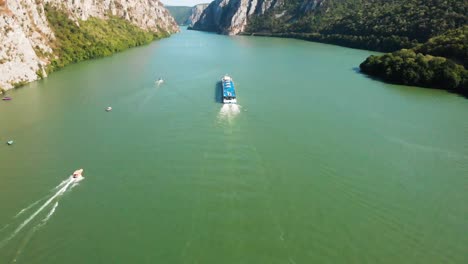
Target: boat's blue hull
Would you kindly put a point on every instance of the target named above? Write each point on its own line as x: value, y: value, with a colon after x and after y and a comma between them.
x: 229, y: 92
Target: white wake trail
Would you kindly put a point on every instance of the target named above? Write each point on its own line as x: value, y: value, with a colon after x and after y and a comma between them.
x: 27, y: 208
x: 50, y: 213
x: 31, y: 233
x: 57, y: 194
x: 7, y: 225
x: 36, y: 202
x: 61, y: 184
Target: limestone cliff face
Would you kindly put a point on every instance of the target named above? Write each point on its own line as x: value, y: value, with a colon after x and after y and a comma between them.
x: 231, y: 16
x: 147, y: 14
x: 197, y: 12
x: 24, y: 30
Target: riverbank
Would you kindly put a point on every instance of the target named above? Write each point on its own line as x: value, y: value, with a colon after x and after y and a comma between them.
x: 439, y: 63
x: 172, y: 176
x: 107, y: 35
x: 372, y: 43
x: 39, y: 37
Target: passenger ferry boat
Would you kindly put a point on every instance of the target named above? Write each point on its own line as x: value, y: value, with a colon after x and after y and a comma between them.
x: 229, y: 93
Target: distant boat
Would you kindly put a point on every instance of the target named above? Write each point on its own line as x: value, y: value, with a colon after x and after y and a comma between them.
x: 77, y: 173
x: 159, y: 81
x: 229, y: 93
x: 10, y: 142
x: 108, y: 109
x: 6, y: 98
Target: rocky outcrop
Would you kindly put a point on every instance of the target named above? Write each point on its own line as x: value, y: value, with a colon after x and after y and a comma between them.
x: 197, y: 12
x: 231, y: 16
x: 23, y: 28
x: 147, y: 14
x: 26, y: 37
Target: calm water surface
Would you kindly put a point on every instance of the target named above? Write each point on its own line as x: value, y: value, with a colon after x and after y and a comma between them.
x: 318, y: 164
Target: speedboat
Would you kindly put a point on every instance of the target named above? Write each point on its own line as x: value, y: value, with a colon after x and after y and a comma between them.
x: 108, y: 109
x: 77, y: 173
x: 6, y: 98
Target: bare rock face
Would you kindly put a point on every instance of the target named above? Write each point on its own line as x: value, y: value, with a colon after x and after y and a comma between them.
x: 197, y: 12
x: 25, y: 35
x: 23, y: 28
x: 146, y: 14
x: 231, y: 16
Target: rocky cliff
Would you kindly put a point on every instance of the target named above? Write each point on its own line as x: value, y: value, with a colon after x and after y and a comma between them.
x: 231, y: 16
x: 187, y: 15
x: 196, y: 14
x: 26, y: 36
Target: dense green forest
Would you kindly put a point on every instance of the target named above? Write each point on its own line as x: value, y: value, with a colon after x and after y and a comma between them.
x: 432, y: 34
x: 180, y: 13
x: 382, y: 25
x: 93, y: 38
x: 424, y: 65
x: 452, y: 45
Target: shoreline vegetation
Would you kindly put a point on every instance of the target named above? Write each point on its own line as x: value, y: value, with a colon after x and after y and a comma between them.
x: 428, y: 38
x: 94, y: 38
x: 439, y: 63
x: 372, y: 42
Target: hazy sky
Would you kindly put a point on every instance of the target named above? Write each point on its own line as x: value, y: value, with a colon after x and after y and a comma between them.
x: 184, y: 2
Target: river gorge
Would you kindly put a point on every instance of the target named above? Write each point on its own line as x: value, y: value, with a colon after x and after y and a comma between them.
x: 317, y: 164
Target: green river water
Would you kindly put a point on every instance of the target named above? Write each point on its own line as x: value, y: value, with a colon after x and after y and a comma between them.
x: 318, y: 164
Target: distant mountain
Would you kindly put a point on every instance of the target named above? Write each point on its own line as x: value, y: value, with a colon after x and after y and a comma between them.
x: 187, y: 15
x: 181, y: 14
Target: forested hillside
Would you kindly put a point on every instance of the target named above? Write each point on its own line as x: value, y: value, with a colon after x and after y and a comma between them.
x: 433, y: 64
x: 94, y: 38
x: 433, y: 35
x: 383, y: 25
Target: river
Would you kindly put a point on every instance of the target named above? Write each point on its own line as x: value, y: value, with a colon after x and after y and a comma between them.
x: 317, y: 164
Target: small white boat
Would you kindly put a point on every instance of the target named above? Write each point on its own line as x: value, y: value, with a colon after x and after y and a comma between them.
x: 77, y: 173
x: 159, y: 81
x: 77, y: 176
x: 108, y: 109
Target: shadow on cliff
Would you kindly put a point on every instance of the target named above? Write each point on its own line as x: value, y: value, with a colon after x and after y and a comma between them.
x: 218, y: 94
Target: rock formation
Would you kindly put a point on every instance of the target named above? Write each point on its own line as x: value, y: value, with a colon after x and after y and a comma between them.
x: 230, y: 16
x: 197, y: 12
x: 25, y: 33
